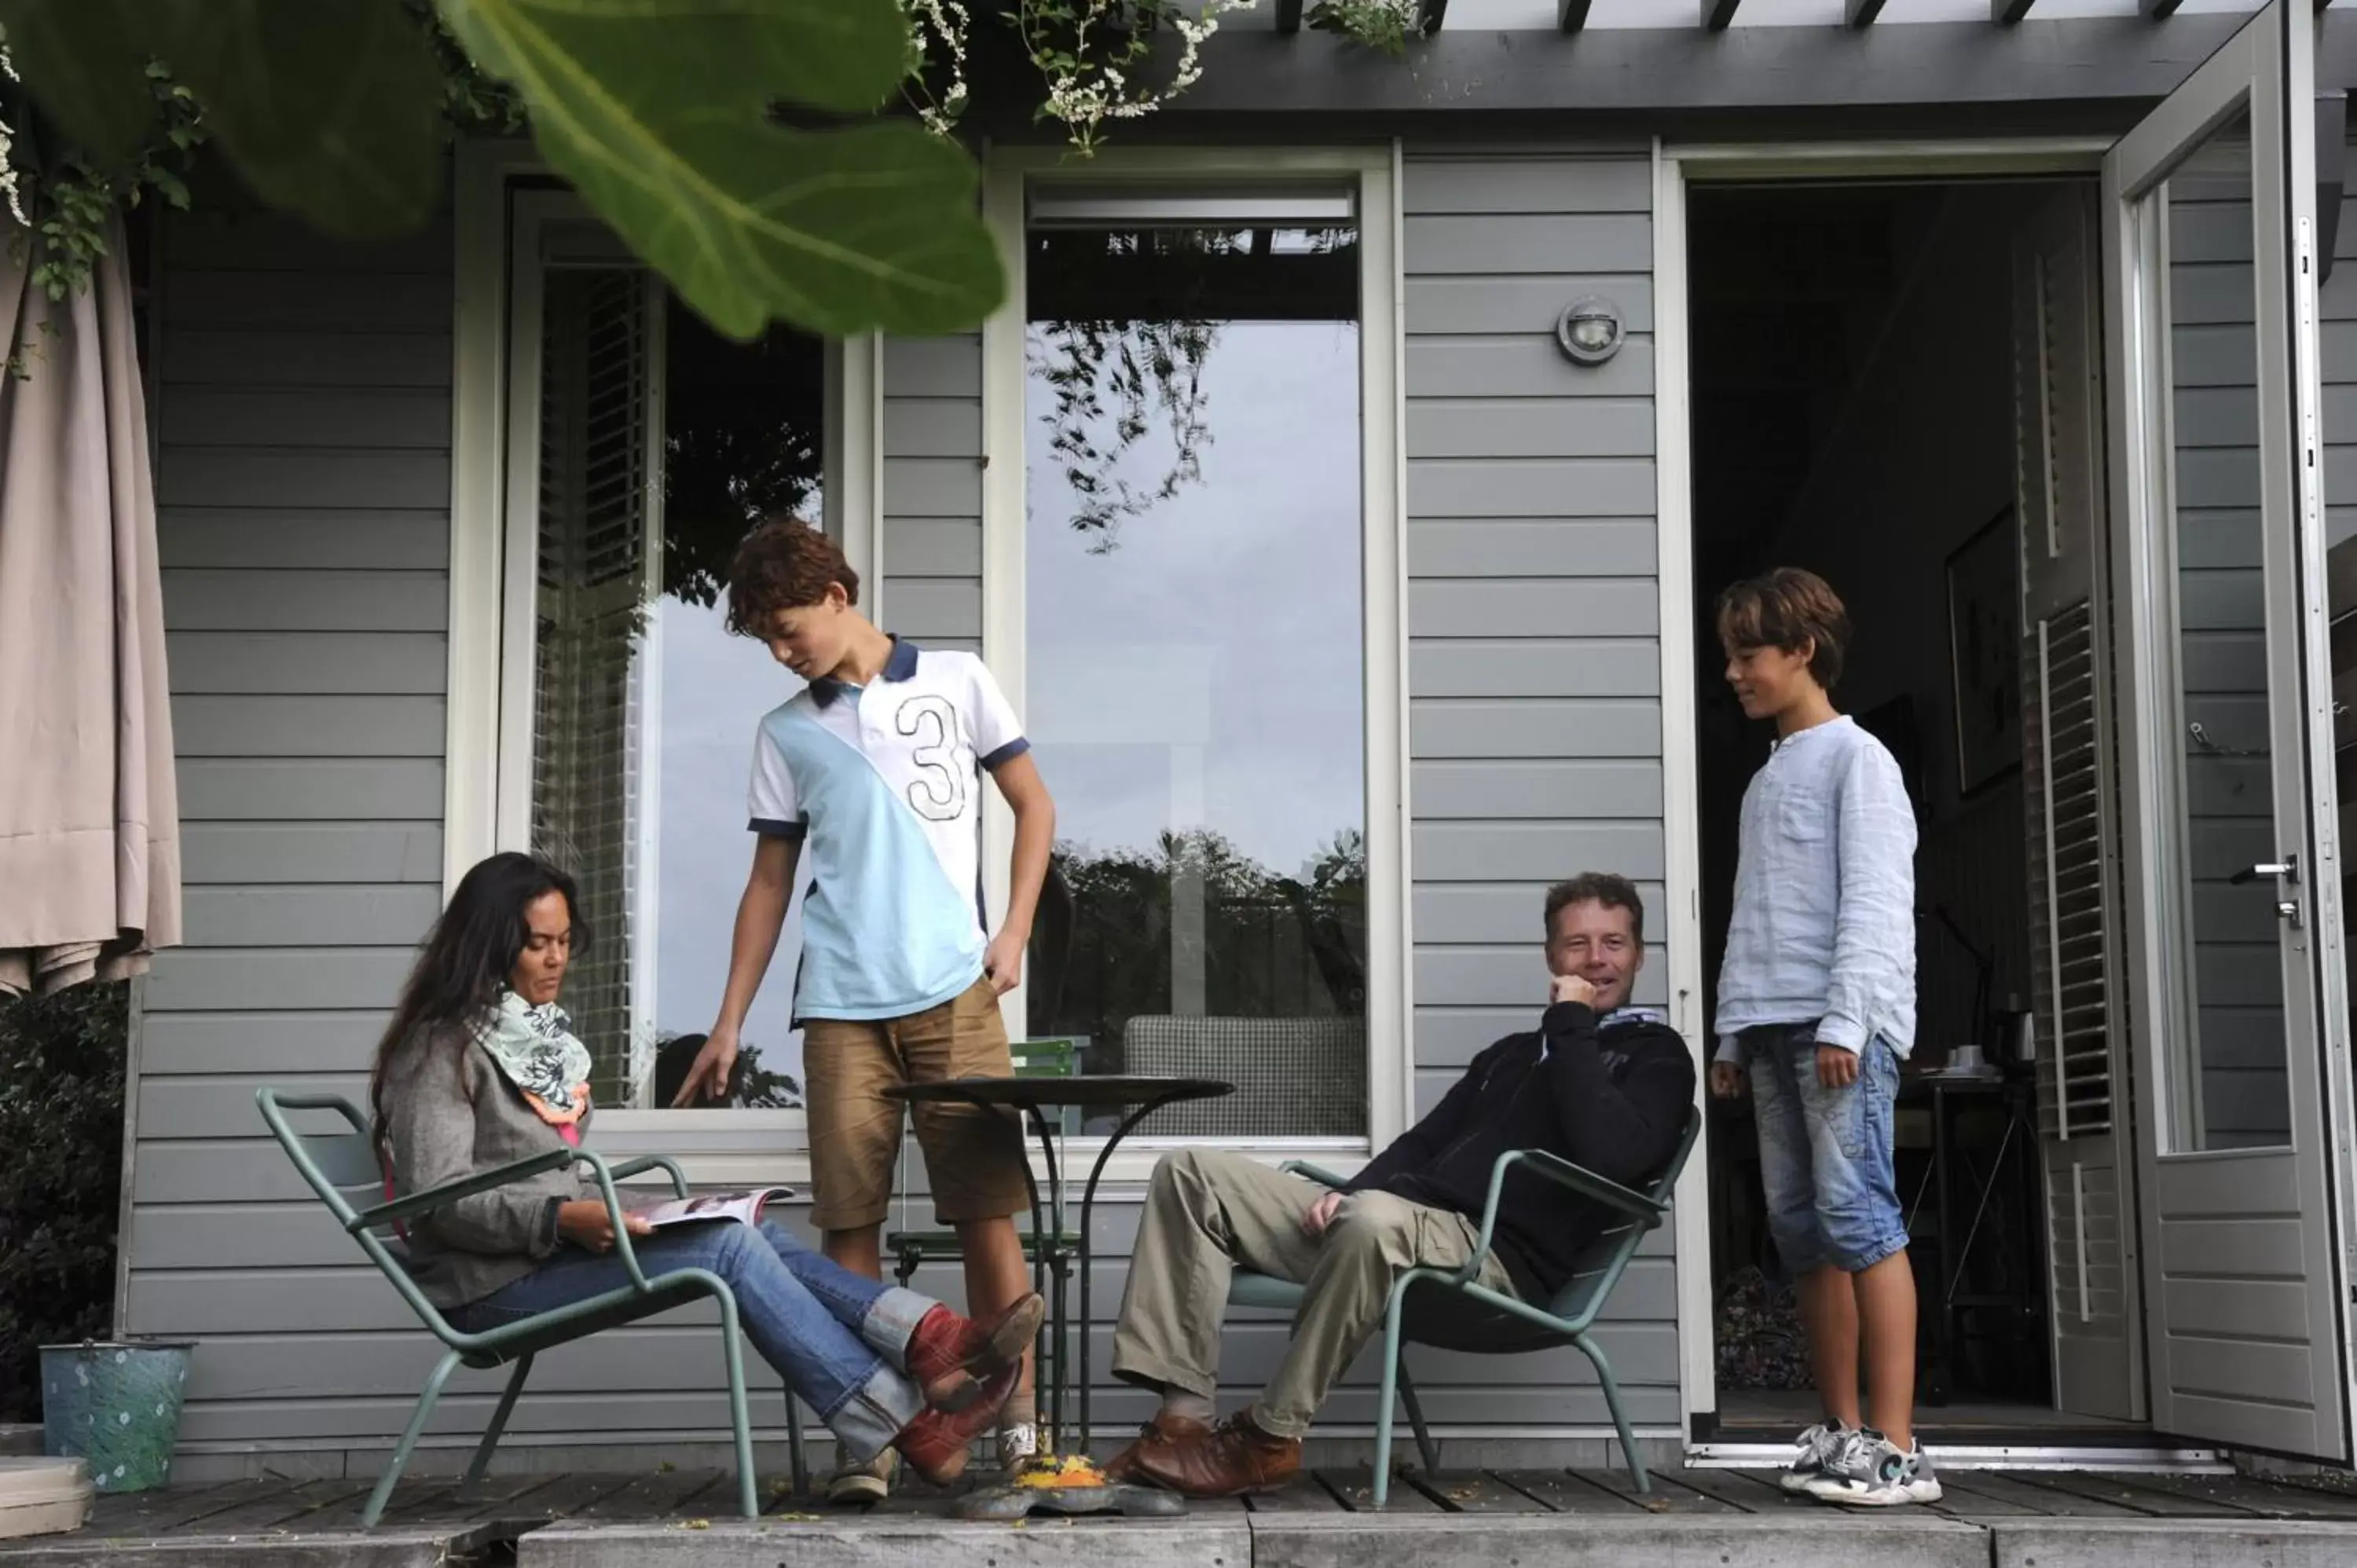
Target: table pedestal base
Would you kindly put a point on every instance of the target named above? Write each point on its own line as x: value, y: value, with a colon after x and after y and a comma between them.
x: 1013, y: 1501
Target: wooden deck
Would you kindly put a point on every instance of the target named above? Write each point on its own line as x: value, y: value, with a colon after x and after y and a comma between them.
x: 1526, y: 1518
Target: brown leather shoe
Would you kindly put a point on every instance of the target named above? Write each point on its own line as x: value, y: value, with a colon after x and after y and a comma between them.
x: 1228, y: 1460
x: 935, y: 1443
x: 950, y: 1356
x: 1164, y: 1430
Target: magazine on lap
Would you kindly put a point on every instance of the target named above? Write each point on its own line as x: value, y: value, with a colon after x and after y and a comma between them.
x: 743, y: 1206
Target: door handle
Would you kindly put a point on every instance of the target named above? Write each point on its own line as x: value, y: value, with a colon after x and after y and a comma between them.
x: 2288, y: 875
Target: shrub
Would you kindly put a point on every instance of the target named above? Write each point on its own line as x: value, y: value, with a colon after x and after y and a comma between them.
x: 61, y: 1061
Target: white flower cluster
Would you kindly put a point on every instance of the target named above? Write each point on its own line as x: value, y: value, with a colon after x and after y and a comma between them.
x: 8, y: 170
x: 942, y: 25
x: 1084, y: 95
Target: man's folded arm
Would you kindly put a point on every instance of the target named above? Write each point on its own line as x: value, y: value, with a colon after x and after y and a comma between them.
x: 1623, y: 1131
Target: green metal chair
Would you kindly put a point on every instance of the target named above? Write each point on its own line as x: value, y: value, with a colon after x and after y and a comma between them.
x: 911, y: 1250
x: 1454, y: 1313
x: 337, y: 1166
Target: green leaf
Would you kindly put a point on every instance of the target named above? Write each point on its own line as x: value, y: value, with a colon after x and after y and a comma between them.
x: 326, y: 106
x: 657, y: 112
x: 844, y: 55
x: 83, y: 60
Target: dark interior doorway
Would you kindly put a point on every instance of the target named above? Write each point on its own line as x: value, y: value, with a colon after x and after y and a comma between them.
x: 1853, y: 407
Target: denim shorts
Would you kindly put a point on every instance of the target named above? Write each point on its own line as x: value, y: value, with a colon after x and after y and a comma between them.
x: 1825, y: 1154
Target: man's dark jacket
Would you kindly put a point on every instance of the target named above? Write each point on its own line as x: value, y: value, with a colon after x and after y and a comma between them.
x: 1610, y: 1097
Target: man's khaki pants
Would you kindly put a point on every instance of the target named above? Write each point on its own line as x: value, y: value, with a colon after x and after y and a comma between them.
x: 1208, y: 1213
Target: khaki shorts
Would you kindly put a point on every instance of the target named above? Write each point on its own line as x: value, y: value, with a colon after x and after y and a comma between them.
x: 973, y: 1158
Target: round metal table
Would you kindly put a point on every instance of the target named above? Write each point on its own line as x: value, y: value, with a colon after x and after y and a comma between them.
x: 1033, y: 1099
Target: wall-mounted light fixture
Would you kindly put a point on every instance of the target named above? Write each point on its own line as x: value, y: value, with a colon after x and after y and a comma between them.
x: 1589, y: 330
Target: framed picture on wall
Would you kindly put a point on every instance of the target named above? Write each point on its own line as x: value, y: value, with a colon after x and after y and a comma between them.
x: 1984, y: 653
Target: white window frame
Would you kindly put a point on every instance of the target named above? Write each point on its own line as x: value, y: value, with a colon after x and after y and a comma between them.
x: 1009, y: 174
x: 503, y: 200
x: 490, y: 672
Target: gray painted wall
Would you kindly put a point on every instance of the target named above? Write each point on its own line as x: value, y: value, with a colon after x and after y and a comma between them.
x: 1534, y: 725
x: 305, y: 482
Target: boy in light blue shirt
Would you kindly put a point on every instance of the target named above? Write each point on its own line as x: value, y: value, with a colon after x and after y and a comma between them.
x: 1816, y: 1010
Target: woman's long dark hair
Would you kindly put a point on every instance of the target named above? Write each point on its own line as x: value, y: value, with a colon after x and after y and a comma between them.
x: 468, y: 957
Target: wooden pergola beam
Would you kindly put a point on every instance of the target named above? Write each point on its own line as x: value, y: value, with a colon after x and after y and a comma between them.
x: 1861, y: 13
x: 1718, y: 14
x: 1571, y: 16
x: 1288, y: 15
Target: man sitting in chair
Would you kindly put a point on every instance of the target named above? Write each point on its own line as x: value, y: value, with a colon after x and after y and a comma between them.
x: 1597, y: 1083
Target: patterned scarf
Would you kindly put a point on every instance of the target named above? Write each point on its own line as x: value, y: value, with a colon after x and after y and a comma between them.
x: 535, y: 1048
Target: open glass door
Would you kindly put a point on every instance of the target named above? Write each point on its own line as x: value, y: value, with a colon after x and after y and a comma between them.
x: 2232, y: 919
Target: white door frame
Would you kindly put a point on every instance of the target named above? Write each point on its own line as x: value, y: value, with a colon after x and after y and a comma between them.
x: 1675, y: 167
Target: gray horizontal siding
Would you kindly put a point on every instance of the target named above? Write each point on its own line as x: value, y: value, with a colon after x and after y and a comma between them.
x: 1534, y: 724
x: 931, y: 540
x: 2337, y: 306
x: 303, y: 479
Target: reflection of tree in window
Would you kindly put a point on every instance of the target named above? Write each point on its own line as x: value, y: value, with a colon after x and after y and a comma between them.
x: 1206, y: 911
x: 1274, y: 946
x: 741, y: 444
x: 1136, y: 315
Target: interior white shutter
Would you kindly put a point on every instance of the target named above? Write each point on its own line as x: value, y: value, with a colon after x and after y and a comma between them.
x: 594, y: 545
x: 2071, y: 778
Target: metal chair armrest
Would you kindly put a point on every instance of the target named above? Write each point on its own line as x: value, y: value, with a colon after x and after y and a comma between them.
x: 1309, y: 1172
x: 1580, y: 1179
x: 449, y: 1192
x: 629, y: 1168
x: 1561, y: 1171
x: 615, y: 1212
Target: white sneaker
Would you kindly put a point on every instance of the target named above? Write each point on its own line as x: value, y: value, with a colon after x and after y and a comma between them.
x: 1018, y: 1445
x: 858, y: 1485
x: 1872, y: 1472
x: 1816, y: 1445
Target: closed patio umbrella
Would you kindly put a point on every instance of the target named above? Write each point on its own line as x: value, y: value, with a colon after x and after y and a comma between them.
x: 89, y: 852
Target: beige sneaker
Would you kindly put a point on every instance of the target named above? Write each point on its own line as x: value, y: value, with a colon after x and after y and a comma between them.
x: 854, y: 1484
x: 1018, y: 1445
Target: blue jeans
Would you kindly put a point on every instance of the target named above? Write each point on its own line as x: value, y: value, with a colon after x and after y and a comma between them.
x: 839, y: 1341
x: 1825, y: 1154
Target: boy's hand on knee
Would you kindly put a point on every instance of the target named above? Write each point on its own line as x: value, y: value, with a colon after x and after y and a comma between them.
x: 1322, y: 1214
x: 1836, y: 1068
x: 1728, y: 1080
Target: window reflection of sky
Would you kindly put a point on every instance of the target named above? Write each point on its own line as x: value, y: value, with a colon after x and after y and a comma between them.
x: 716, y: 688
x: 1227, y: 616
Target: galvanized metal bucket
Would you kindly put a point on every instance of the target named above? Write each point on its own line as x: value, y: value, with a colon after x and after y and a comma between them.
x: 117, y: 1405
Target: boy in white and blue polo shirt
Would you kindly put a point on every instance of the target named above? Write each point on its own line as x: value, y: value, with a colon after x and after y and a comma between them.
x: 867, y: 786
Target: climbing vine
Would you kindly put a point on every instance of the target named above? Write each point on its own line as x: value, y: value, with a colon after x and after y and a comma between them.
x: 1382, y: 24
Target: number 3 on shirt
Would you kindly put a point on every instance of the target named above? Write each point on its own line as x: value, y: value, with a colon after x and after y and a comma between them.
x: 938, y: 792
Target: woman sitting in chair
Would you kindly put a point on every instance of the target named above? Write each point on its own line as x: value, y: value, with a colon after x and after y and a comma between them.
x: 479, y: 1070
